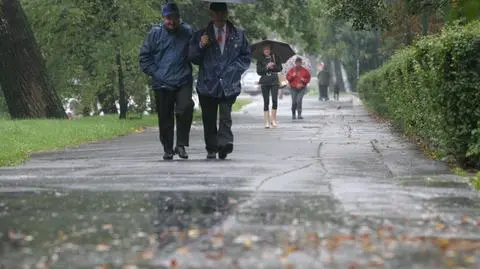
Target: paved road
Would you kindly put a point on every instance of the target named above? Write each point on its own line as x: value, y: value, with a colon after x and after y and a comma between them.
x: 336, y: 190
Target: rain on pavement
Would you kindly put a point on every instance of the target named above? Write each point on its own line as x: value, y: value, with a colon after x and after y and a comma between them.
x: 336, y: 190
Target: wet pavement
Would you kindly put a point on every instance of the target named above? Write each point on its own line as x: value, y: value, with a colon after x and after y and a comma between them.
x: 336, y: 190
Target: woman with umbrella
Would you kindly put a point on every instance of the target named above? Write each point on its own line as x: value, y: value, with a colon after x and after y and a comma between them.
x: 267, y: 67
x: 269, y: 64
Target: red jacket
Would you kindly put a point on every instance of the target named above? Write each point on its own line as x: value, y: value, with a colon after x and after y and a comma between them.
x: 298, y: 79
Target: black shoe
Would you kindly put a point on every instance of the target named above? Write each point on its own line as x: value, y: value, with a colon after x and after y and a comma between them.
x: 180, y: 150
x: 300, y: 117
x: 224, y: 151
x: 294, y: 117
x: 211, y: 155
x: 167, y: 156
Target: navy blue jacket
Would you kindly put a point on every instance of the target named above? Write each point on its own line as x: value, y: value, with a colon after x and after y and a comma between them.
x: 220, y: 74
x: 164, y: 56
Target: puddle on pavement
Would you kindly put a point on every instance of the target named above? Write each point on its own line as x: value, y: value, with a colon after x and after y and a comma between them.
x: 80, y: 229
x: 83, y: 229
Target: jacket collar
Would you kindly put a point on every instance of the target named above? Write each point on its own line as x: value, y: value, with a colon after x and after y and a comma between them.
x: 231, y: 29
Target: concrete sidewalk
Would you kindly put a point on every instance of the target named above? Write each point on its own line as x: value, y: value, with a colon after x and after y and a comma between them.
x: 336, y: 189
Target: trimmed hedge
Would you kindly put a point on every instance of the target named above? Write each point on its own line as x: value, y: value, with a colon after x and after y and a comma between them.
x: 432, y: 90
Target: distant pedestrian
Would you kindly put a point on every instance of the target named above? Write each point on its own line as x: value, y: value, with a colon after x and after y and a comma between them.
x: 323, y: 83
x: 298, y: 78
x: 164, y: 57
x: 222, y: 52
x: 268, y: 68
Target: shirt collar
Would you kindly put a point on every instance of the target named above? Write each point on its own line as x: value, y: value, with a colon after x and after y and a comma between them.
x: 216, y: 29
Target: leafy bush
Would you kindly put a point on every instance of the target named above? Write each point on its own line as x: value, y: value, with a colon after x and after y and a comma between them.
x: 432, y: 90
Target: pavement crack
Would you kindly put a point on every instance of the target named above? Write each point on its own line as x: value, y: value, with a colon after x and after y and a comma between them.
x: 319, y: 158
x: 379, y: 152
x: 265, y: 180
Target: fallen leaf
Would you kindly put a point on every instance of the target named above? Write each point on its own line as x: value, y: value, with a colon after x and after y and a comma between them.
x: 103, y: 266
x: 442, y: 243
x: 241, y: 239
x: 440, y: 226
x: 173, y: 264
x: 103, y: 247
x: 42, y: 263
x: 232, y: 201
x: 62, y: 236
x: 217, y: 241
x: 376, y: 261
x: 107, y: 226
x: 470, y: 259
x: 152, y: 239
x: 28, y: 238
x: 147, y: 254
x: 289, y: 248
x: 389, y: 255
x: 214, y: 255
x: 183, y: 250
x: 193, y: 233
x: 247, y: 244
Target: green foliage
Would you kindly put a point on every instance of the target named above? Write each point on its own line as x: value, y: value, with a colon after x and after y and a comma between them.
x: 363, y: 14
x: 476, y: 181
x: 464, y: 10
x: 432, y: 90
x: 79, y: 40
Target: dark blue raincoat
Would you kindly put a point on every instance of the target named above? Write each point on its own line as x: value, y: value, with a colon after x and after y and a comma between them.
x: 164, y: 56
x: 220, y: 74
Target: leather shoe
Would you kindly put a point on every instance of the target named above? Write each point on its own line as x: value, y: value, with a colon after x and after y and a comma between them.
x: 224, y: 151
x: 181, y: 152
x: 167, y: 156
x: 211, y: 155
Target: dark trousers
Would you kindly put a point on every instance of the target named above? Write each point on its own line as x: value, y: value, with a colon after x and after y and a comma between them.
x: 174, y: 104
x: 216, y: 138
x: 297, y: 100
x: 323, y: 92
x: 266, y: 90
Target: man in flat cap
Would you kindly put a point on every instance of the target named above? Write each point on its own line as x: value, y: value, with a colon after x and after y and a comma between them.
x: 222, y: 52
x: 164, y: 57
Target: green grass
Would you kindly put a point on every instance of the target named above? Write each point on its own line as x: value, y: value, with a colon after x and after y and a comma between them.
x: 476, y: 181
x: 20, y: 138
x: 474, y: 176
x: 240, y: 103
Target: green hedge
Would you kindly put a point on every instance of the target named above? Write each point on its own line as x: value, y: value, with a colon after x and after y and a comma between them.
x: 432, y: 90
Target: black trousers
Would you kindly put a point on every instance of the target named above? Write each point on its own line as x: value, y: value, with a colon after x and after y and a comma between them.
x: 174, y: 105
x: 216, y: 138
x: 323, y: 92
x: 266, y: 90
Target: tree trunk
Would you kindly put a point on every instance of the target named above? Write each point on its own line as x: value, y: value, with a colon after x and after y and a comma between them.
x: 106, y: 96
x: 121, y: 87
x: 338, y: 74
x: 23, y: 76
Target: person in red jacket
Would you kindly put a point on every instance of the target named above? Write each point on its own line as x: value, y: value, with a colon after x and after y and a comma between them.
x: 298, y: 78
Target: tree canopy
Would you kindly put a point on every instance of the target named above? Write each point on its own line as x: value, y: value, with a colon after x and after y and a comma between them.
x: 86, y: 43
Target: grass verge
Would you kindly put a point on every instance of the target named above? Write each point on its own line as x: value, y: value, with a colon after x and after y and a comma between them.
x: 240, y: 103
x: 20, y: 138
